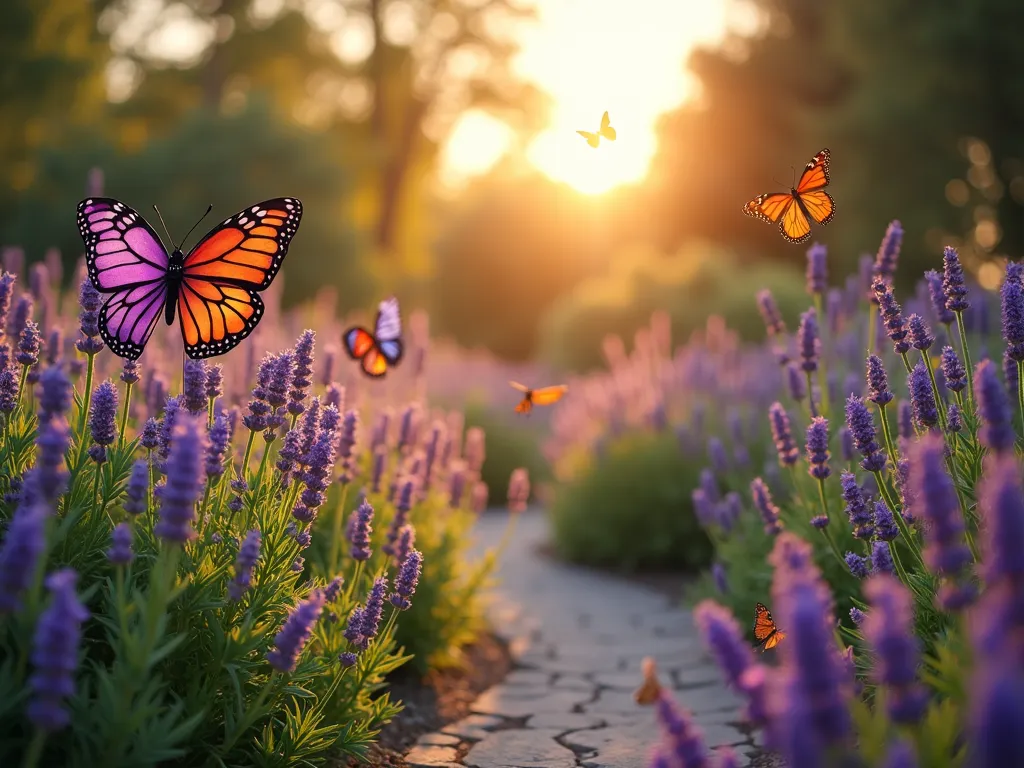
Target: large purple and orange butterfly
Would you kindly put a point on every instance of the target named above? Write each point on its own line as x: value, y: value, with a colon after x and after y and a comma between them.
x: 214, y: 288
x: 793, y: 210
x: 383, y: 348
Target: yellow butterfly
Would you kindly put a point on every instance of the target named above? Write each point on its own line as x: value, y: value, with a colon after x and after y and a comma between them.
x: 606, y: 130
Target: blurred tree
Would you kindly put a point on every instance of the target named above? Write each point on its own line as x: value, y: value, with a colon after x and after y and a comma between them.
x: 51, y: 66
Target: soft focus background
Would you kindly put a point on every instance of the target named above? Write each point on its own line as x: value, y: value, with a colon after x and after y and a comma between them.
x: 434, y: 142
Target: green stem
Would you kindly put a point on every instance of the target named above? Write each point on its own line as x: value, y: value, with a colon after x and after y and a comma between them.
x: 872, y: 320
x: 810, y: 394
x: 822, y: 371
x: 21, y: 384
x: 86, y: 396
x: 899, y: 565
x: 890, y: 446
x: 336, y: 533
x: 906, y: 362
x: 1020, y: 392
x: 124, y: 413
x: 967, y: 356
x: 248, y: 452
x: 35, y: 749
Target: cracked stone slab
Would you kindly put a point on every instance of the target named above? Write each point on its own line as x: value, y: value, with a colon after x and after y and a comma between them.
x: 574, y: 683
x: 473, y: 727
x: 712, y: 698
x: 533, y: 748
x: 527, y: 677
x: 497, y: 701
x: 438, y: 739
x: 564, y: 722
x: 431, y: 757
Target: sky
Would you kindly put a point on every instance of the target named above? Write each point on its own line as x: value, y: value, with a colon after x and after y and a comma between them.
x: 623, y: 56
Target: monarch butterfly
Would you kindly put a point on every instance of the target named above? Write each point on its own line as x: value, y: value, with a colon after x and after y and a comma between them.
x: 542, y: 396
x: 650, y: 689
x: 383, y: 347
x: 606, y: 131
x: 214, y: 288
x: 793, y: 209
x: 765, y: 631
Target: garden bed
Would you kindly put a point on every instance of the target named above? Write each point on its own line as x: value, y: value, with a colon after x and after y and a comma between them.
x: 442, y: 697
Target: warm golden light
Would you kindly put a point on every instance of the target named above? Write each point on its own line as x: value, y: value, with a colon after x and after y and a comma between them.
x: 597, y: 55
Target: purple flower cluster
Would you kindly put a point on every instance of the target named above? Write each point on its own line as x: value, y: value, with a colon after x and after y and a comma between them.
x: 862, y: 430
x: 782, y: 434
x: 245, y: 562
x: 295, y: 633
x: 184, y: 484
x: 817, y: 448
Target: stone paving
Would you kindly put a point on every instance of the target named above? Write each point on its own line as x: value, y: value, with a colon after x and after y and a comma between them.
x: 578, y: 638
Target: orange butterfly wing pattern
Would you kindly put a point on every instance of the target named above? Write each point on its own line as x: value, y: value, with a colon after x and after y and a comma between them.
x: 792, y: 210
x: 218, y: 305
x: 549, y: 395
x: 766, y: 632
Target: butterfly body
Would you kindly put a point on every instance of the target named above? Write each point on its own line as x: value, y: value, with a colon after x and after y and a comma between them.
x: 213, y: 288
x: 383, y: 348
x: 807, y: 201
x: 542, y: 396
x: 766, y: 632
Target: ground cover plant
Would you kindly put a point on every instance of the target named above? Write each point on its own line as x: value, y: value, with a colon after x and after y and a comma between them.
x: 199, y: 571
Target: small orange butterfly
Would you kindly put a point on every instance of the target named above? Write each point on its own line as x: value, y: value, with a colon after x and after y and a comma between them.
x: 605, y: 131
x: 542, y: 396
x: 793, y: 209
x: 766, y: 632
x: 649, y: 690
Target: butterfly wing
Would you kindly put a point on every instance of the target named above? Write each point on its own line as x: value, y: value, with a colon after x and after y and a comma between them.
x: 388, y: 331
x: 549, y: 395
x: 770, y: 206
x: 358, y: 342
x: 815, y: 175
x: 764, y: 625
x: 374, y: 363
x: 794, y: 225
x: 606, y: 128
x: 128, y: 317
x: 819, y: 205
x: 218, y: 302
x: 773, y: 639
x: 525, y: 406
x: 593, y: 139
x: 121, y: 249
x: 520, y: 387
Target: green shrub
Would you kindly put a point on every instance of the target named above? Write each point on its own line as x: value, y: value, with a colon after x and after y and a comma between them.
x: 630, y: 508
x: 690, y: 285
x: 512, y: 441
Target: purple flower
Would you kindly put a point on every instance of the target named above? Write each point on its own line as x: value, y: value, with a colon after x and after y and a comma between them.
x: 888, y: 252
x: 21, y: 316
x: 846, y: 443
x: 922, y: 400
x: 103, y: 416
x: 330, y: 358
x: 91, y: 301
x: 994, y: 407
x: 380, y: 456
x: 28, y: 344
x: 7, y: 281
x: 217, y: 449
x: 721, y: 578
x: 171, y: 410
x: 373, y: 610
x: 1010, y: 372
x: 316, y: 477
x: 725, y: 640
x: 954, y: 421
x: 817, y: 448
x: 817, y: 269
x: 858, y: 565
x: 214, y: 382
x: 333, y: 589
x: 809, y: 341
x: 892, y: 317
x: 921, y: 336
x: 308, y: 428
x: 150, y: 438
x: 796, y: 381
x: 782, y: 434
x: 55, y: 653
x: 8, y: 390
x: 862, y: 429
x: 303, y: 372
x: 295, y: 633
x: 347, y: 659
x: 518, y: 490
x: 684, y: 740
x: 49, y: 473
x: 54, y: 345
x: 335, y: 395
x: 54, y: 393
x: 402, y: 507
x: 346, y: 445
x: 953, y: 283
x: 813, y: 679
x: 130, y: 372
x: 904, y: 420
x: 934, y: 500
x: 763, y: 503
x: 861, y: 519
x: 406, y: 581
x: 709, y: 485
x: 997, y: 716
x: 245, y: 562
x: 24, y: 541
x: 194, y: 396
x: 770, y: 312
x: 406, y: 540
x: 138, y: 487
x: 1012, y: 299
x: 881, y: 557
x: 953, y: 371
x: 857, y: 616
x: 1002, y: 508
x: 885, y: 522
x: 259, y: 409
x: 120, y: 552
x: 878, y: 381
x: 184, y: 481
x: 820, y: 522
x: 360, y: 527
x: 889, y: 630
x: 938, y: 297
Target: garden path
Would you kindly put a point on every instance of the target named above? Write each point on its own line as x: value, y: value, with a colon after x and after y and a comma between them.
x: 577, y: 637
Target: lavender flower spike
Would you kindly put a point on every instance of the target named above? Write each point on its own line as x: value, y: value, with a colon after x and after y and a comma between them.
x: 994, y: 407
x: 103, y: 418
x: 878, y: 381
x: 91, y: 301
x: 862, y: 429
x: 892, y: 317
x: 953, y: 371
x: 245, y: 562
x: 195, y: 375
x: 55, y: 653
x: 817, y: 269
x: 889, y: 629
x: 817, y: 448
x: 782, y: 434
x: 770, y: 312
x: 1012, y: 300
x: 24, y: 541
x: 120, y: 552
x: 408, y: 578
x: 374, y: 609
x: 921, y: 336
x: 726, y: 641
x: 360, y: 527
x: 922, y: 399
x: 214, y: 382
x: 295, y: 633
x: 302, y: 376
x: 184, y: 481
x: 763, y: 503
x: 138, y: 487
x: 889, y: 251
x: 938, y: 297
x: 954, y: 284
x: 809, y: 340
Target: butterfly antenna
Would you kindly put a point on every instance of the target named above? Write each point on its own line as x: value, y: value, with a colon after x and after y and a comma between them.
x: 208, y: 209
x: 166, y: 231
x: 793, y: 169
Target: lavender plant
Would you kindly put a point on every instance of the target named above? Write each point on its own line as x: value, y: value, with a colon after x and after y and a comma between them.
x: 176, y: 585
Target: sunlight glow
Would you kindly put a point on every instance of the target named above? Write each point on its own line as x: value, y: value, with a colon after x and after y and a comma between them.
x: 597, y: 55
x: 477, y: 141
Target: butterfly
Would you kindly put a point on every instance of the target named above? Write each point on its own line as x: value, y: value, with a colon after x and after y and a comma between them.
x: 542, y: 396
x: 793, y: 209
x: 383, y: 347
x: 606, y: 130
x: 765, y: 631
x: 650, y: 689
x: 214, y: 288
